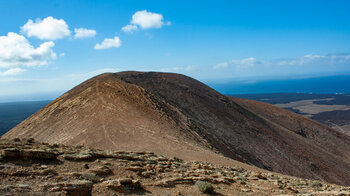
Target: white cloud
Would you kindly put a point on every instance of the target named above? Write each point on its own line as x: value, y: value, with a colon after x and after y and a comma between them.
x: 130, y: 28
x: 85, y: 76
x: 247, y: 62
x: 22, y: 88
x: 221, y: 65
x: 242, y: 63
x: 306, y: 60
x: 15, y: 50
x: 109, y: 43
x: 81, y: 33
x: 145, y: 20
x: 178, y: 69
x: 311, y: 59
x: 13, y: 71
x: 49, y: 28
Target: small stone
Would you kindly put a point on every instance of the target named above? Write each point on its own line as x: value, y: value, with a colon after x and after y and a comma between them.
x: 77, y: 157
x: 147, y: 174
x: 90, y: 176
x: 135, y: 169
x: 23, y: 186
x: 106, y: 163
x: 86, y: 166
x: 75, y: 187
x: 124, y: 184
x: 246, y: 190
x: 260, y: 176
x: 102, y: 170
x: 48, y: 172
x: 30, y: 140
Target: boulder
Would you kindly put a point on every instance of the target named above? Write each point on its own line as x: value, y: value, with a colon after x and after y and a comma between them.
x: 72, y: 188
x: 124, y: 184
x: 78, y: 157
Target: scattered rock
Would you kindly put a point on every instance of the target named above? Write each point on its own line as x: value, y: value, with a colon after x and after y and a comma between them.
x: 124, y: 184
x: 37, y: 154
x: 102, y: 170
x: 77, y: 187
x: 48, y: 172
x: 147, y: 174
x: 86, y: 166
x: 90, y: 176
x: 30, y: 140
x: 135, y: 169
x: 104, y: 173
x: 78, y: 157
x: 259, y: 176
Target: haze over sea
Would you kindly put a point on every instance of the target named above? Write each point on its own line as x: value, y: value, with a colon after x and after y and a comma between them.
x: 317, y: 85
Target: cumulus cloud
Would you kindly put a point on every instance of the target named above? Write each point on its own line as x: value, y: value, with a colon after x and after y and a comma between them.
x: 130, y: 28
x: 81, y: 33
x: 15, y: 50
x: 47, y: 29
x: 145, y: 20
x: 109, y: 43
x: 12, y: 71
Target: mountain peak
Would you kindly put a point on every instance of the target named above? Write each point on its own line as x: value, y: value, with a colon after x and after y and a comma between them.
x: 175, y: 115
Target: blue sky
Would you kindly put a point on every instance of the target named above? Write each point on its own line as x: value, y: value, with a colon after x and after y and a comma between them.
x: 41, y: 55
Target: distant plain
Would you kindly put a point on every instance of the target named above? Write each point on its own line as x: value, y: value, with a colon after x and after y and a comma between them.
x: 330, y: 109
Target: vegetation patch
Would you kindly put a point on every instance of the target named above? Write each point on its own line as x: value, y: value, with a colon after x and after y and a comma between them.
x: 204, y: 187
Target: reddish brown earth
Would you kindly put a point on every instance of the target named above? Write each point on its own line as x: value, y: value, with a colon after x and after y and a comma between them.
x: 175, y: 115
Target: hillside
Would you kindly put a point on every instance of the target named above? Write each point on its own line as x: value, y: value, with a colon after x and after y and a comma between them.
x: 175, y: 115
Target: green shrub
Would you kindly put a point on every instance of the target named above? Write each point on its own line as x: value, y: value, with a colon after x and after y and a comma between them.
x: 204, y: 187
x: 316, y: 184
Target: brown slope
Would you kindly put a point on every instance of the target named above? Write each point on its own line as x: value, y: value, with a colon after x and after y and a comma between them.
x: 107, y: 113
x: 176, y: 115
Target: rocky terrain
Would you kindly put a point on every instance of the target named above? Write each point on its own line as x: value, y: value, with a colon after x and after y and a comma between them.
x: 31, y: 168
x: 174, y: 115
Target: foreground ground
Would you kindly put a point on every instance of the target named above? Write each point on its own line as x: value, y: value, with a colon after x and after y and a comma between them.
x: 30, y: 168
